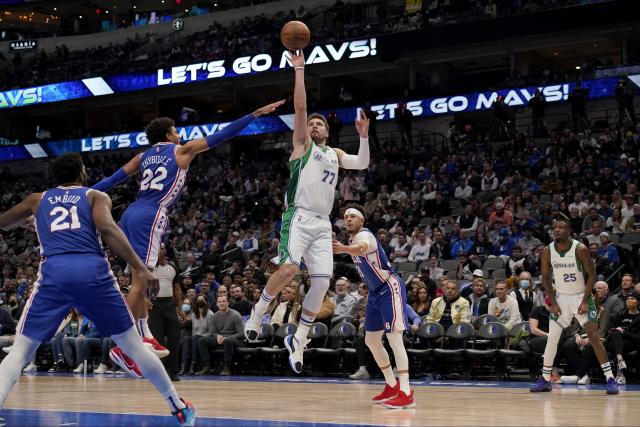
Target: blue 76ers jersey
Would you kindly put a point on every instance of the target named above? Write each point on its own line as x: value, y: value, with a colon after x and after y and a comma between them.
x: 64, y: 223
x: 374, y: 267
x: 162, y: 179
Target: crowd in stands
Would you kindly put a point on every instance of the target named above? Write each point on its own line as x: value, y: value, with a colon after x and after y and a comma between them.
x: 251, y: 35
x: 465, y: 230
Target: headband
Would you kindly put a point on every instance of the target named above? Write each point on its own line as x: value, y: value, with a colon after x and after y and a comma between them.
x: 353, y: 211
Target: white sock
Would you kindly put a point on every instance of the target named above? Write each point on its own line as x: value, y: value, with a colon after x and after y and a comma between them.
x: 143, y: 328
x: 263, y: 303
x: 606, y: 368
x: 401, y: 358
x: 150, y: 366
x: 23, y: 350
x: 302, y: 332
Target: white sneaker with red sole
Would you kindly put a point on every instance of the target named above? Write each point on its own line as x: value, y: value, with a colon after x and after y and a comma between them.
x: 387, y: 394
x: 157, y: 348
x: 125, y: 362
x: 401, y: 401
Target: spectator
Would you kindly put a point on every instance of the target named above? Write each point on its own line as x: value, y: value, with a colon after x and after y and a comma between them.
x: 466, y: 267
x: 361, y: 293
x: 591, y: 218
x: 450, y: 308
x: 615, y: 222
x: 288, y: 309
x: 500, y: 213
x: 345, y: 303
x: 185, y: 315
x: 608, y: 251
x: 89, y: 338
x: 439, y: 248
x: 7, y: 328
x: 463, y: 191
x: 526, y: 295
x: 430, y: 274
x: 463, y: 244
x: 504, y: 307
x: 422, y: 301
x: 625, y: 337
x: 228, y: 332
x: 478, y: 298
x: 632, y: 223
x: 468, y: 220
x: 420, y: 250
x: 239, y: 302
x: 614, y: 306
x: 505, y: 244
x: 626, y: 285
x: 528, y: 243
x: 249, y: 244
x: 351, y: 187
x: 400, y: 251
x: 202, y: 327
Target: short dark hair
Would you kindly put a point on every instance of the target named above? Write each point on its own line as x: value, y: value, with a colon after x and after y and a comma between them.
x: 320, y: 117
x: 158, y: 129
x: 67, y: 168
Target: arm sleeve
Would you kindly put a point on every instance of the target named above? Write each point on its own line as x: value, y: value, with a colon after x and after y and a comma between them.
x: 229, y: 131
x: 359, y: 161
x: 109, y: 182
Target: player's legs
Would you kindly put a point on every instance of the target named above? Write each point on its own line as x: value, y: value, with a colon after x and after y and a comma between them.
x: 23, y: 350
x: 293, y: 242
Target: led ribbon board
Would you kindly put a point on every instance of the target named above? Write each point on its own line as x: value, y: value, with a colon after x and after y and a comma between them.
x: 182, y: 74
x: 479, y: 101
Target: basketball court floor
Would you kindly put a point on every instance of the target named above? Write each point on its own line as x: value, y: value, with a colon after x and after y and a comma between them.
x: 68, y: 400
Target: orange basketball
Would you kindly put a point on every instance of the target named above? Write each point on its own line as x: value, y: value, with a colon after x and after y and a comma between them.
x: 295, y: 35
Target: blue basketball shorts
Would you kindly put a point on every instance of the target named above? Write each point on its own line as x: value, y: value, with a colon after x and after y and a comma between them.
x: 74, y: 280
x: 385, y: 307
x: 145, y: 225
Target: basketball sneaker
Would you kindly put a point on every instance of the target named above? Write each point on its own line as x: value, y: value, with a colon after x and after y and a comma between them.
x: 622, y: 365
x: 584, y: 380
x: 620, y: 378
x: 296, y: 352
x: 387, y: 394
x: 155, y: 347
x: 187, y: 415
x: 569, y: 379
x: 252, y: 327
x: 612, y: 386
x: 541, y: 385
x: 401, y: 401
x: 117, y: 356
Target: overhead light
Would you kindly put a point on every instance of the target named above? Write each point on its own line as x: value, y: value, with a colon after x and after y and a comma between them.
x: 106, y: 11
x: 577, y: 67
x: 80, y: 16
x: 186, y: 11
x: 135, y: 7
x: 555, y: 54
x: 55, y: 8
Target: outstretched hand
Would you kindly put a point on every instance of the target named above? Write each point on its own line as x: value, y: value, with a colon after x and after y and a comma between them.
x: 267, y: 108
x: 362, y: 124
x: 297, y: 58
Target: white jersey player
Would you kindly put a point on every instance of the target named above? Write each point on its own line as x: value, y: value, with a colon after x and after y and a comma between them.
x: 306, y: 229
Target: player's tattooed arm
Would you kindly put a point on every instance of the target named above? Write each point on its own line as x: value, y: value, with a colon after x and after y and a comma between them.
x: 21, y: 213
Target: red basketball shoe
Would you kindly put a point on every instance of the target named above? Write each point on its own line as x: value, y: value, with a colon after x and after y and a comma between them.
x: 387, y: 394
x: 157, y: 349
x: 401, y: 401
x: 117, y: 356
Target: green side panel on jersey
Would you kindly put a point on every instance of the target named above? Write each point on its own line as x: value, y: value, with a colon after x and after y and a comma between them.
x: 581, y: 266
x: 285, y: 230
x: 295, y: 166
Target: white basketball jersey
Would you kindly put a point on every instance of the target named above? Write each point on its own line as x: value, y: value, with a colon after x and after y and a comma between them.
x: 568, y: 271
x: 313, y: 181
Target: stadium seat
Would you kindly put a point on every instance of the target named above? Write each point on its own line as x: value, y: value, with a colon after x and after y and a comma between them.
x: 630, y: 239
x: 511, y: 356
x: 493, y: 264
x: 499, y: 274
x: 318, y: 334
x: 449, y: 265
x: 456, y: 335
x: 334, y: 345
x: 252, y: 351
x: 277, y: 354
x: 483, y: 320
x: 406, y: 266
x: 491, y: 334
x: 422, y: 347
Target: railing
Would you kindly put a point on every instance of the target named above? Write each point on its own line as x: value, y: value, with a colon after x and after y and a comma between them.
x: 612, y: 276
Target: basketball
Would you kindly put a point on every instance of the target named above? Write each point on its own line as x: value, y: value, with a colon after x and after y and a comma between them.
x: 295, y: 35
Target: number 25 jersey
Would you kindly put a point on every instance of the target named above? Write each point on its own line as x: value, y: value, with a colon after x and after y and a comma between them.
x: 568, y: 271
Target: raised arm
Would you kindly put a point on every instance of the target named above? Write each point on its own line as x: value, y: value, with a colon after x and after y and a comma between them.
x: 20, y: 213
x: 131, y: 168
x: 300, y: 138
x: 188, y: 151
x: 361, y: 160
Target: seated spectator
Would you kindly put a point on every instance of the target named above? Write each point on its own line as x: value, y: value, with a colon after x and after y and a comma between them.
x: 463, y: 190
x: 362, y: 292
x: 440, y: 248
x: 431, y: 273
x: 202, y: 327
x: 504, y: 307
x: 450, y: 308
x: 7, y: 328
x: 592, y: 218
x: 593, y: 233
x: 249, y: 243
x: 345, y: 303
x: 539, y: 326
x: 325, y: 314
x: 526, y: 295
x: 288, y: 309
x: 466, y: 267
x: 228, y: 333
x: 482, y: 247
x: 500, y: 213
x: 420, y: 249
x: 505, y: 244
x: 463, y: 244
x: 421, y: 302
x: 614, y: 306
x: 528, y: 243
x: 89, y: 338
x: 625, y: 336
x: 468, y: 220
x: 626, y: 286
x: 615, y: 223
x: 185, y: 315
x: 478, y: 298
x: 70, y: 327
x: 400, y: 251
x: 608, y: 252
x: 515, y: 262
x: 632, y: 223
x: 239, y: 302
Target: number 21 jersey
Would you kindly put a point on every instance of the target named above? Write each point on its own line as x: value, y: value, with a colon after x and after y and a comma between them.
x: 64, y: 223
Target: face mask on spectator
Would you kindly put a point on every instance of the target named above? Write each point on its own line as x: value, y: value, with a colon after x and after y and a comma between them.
x: 186, y: 308
x: 201, y: 303
x: 524, y: 284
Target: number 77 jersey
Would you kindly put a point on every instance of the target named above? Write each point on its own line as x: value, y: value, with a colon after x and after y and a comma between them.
x: 313, y: 180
